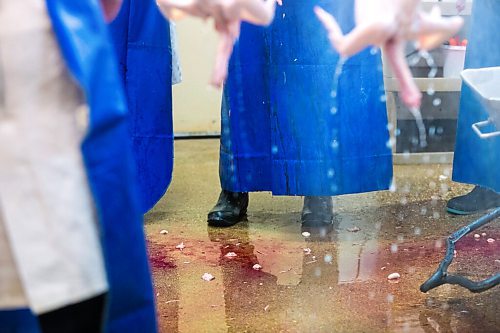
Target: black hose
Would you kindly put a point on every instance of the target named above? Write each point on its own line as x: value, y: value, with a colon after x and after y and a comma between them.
x: 441, y: 276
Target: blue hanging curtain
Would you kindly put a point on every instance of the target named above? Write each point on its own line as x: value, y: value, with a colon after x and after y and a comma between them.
x: 86, y: 46
x: 290, y: 127
x: 476, y: 160
x: 142, y: 40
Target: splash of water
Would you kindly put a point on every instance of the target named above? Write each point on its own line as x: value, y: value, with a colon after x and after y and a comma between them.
x: 430, y: 62
x: 336, y: 77
x: 416, y: 113
x: 420, y: 125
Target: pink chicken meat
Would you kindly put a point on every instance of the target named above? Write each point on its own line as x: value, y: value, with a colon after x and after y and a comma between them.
x: 111, y: 8
x: 389, y: 24
x: 227, y: 15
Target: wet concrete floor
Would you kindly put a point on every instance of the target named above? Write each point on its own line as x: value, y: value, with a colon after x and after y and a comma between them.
x: 336, y: 283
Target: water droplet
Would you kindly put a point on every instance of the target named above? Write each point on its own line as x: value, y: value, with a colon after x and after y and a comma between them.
x: 438, y: 244
x: 328, y: 258
x: 390, y: 126
x: 335, y: 144
x: 401, y: 238
x: 431, y: 91
x: 397, y: 132
x: 413, y: 60
x: 333, y: 110
x: 436, y: 102
x: 432, y: 131
x: 334, y: 188
x: 439, y: 130
x: 333, y: 94
x: 394, y: 248
x: 390, y: 143
x: 390, y: 298
x: 406, y: 154
x: 330, y: 173
x: 317, y: 271
x: 423, y: 211
x: 383, y: 98
x: 404, y: 201
x: 417, y: 231
x: 283, y: 15
x: 433, y: 72
x: 374, y: 50
x: 274, y: 149
x: 436, y: 215
x: 393, y: 186
x: 432, y: 185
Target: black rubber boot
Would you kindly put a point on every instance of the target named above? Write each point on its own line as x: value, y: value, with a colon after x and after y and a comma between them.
x: 317, y: 212
x: 230, y: 209
x: 478, y: 200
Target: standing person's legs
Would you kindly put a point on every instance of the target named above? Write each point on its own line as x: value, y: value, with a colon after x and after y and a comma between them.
x: 476, y: 160
x: 46, y: 205
x: 329, y: 124
x: 245, y: 147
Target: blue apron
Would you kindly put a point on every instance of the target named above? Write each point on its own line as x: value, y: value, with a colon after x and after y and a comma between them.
x: 107, y: 150
x: 477, y: 160
x: 142, y: 40
x: 18, y: 321
x: 285, y: 128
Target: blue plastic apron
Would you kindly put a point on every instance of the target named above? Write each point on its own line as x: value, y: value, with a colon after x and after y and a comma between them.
x: 142, y: 40
x: 477, y: 160
x: 285, y: 129
x: 86, y: 46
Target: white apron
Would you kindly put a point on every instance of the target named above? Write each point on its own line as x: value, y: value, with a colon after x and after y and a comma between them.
x: 50, y: 255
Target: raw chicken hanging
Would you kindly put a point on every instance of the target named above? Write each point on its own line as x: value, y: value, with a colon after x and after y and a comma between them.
x: 227, y: 15
x: 389, y: 24
x: 111, y: 8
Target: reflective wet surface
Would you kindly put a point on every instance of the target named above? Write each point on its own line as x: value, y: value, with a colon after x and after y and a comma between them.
x: 323, y: 283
